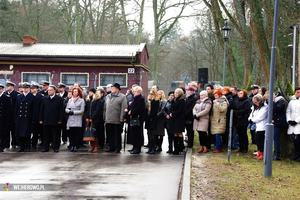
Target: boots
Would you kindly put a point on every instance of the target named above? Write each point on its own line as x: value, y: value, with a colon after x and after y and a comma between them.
x: 261, y: 156
x: 151, y: 147
x: 258, y: 154
x: 200, y: 150
x: 296, y: 156
x: 180, y: 143
x: 176, y: 146
x: 96, y: 146
x: 92, y: 143
x: 205, y: 149
x: 276, y: 156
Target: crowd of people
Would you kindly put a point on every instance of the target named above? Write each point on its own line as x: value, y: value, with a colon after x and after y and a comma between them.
x: 53, y: 115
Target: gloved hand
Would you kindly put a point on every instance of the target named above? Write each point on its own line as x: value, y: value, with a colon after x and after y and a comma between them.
x: 71, y: 112
x: 292, y: 123
x: 195, y: 117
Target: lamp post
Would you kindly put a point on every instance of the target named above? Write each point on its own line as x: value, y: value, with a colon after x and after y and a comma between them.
x: 294, y: 52
x: 225, y: 33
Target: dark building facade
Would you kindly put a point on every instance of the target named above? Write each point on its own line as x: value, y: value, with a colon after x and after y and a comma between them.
x: 91, y: 65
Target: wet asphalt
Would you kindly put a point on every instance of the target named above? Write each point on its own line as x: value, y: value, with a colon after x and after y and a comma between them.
x: 84, y: 175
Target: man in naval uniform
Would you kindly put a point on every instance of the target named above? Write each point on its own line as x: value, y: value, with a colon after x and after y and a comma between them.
x: 45, y: 86
x: 5, y: 110
x: 24, y: 117
x: 37, y: 128
x: 10, y: 90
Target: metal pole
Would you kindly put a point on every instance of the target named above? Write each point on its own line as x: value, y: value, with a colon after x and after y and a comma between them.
x: 224, y: 63
x: 294, y: 55
x: 269, y: 126
x: 230, y: 135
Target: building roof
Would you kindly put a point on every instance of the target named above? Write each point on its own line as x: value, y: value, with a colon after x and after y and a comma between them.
x: 71, y: 50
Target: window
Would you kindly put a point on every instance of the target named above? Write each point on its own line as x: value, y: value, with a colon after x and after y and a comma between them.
x: 37, y: 77
x: 108, y: 78
x: 71, y: 78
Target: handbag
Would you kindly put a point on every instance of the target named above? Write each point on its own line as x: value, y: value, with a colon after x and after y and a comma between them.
x: 134, y: 121
x: 89, y: 133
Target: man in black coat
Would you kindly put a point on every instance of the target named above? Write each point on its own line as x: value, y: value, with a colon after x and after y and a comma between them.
x: 11, y: 130
x: 51, y: 116
x: 5, y: 110
x: 64, y: 94
x: 24, y: 117
x: 37, y: 128
x: 45, y: 86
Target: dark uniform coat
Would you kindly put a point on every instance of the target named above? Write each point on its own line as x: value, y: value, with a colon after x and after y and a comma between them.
x: 178, y: 115
x: 24, y: 114
x: 45, y: 93
x: 13, y: 98
x: 5, y: 110
x: 52, y: 111
x: 36, y: 126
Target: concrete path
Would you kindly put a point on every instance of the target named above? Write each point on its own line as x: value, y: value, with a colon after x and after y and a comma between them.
x: 84, y: 175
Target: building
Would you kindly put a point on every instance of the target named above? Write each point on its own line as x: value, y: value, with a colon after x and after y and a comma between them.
x: 91, y: 65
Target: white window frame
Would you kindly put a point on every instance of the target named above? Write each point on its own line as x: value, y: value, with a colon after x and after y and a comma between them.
x: 22, y: 76
x: 122, y: 86
x: 75, y: 73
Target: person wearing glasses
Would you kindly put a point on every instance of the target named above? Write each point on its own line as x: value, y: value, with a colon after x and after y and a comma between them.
x: 259, y: 116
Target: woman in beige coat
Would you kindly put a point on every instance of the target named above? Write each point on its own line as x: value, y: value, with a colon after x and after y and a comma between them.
x: 218, y: 118
x: 201, y: 119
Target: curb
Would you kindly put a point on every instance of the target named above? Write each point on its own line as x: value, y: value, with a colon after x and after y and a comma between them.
x: 186, y: 179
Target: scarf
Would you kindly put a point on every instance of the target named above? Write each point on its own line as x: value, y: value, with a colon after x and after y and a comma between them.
x: 201, y: 103
x: 75, y: 99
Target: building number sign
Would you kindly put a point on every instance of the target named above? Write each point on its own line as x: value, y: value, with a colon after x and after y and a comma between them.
x: 130, y: 70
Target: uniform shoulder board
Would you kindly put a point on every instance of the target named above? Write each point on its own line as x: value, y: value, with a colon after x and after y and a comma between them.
x: 42, y: 95
x: 34, y: 94
x: 8, y: 95
x: 19, y: 94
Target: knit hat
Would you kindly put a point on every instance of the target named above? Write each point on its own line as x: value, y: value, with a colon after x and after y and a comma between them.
x: 92, y: 90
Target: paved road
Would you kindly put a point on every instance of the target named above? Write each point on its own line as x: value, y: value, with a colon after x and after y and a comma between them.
x: 84, y: 175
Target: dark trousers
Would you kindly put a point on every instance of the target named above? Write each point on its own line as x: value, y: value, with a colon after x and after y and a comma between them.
x: 253, y: 136
x: 260, y: 140
x: 4, y: 140
x: 296, y: 139
x: 64, y: 132
x: 211, y: 138
x: 100, y: 133
x: 203, y: 138
x: 114, y: 134
x: 24, y: 142
x: 75, y: 137
x: 190, y: 134
x: 243, y: 138
x: 170, y: 139
x: 51, y: 134
x: 11, y: 137
x: 36, y: 130
x: 235, y: 138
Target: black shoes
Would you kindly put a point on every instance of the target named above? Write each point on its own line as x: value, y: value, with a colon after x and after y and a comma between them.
x: 27, y: 150
x: 56, y: 150
x: 117, y: 151
x: 44, y: 150
x: 20, y: 150
x: 73, y: 149
x: 1, y: 150
x: 109, y: 150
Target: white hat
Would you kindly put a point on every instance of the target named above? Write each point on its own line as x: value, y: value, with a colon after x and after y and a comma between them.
x: 109, y: 85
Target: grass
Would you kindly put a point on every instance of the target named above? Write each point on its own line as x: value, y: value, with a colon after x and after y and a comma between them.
x: 242, y: 178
